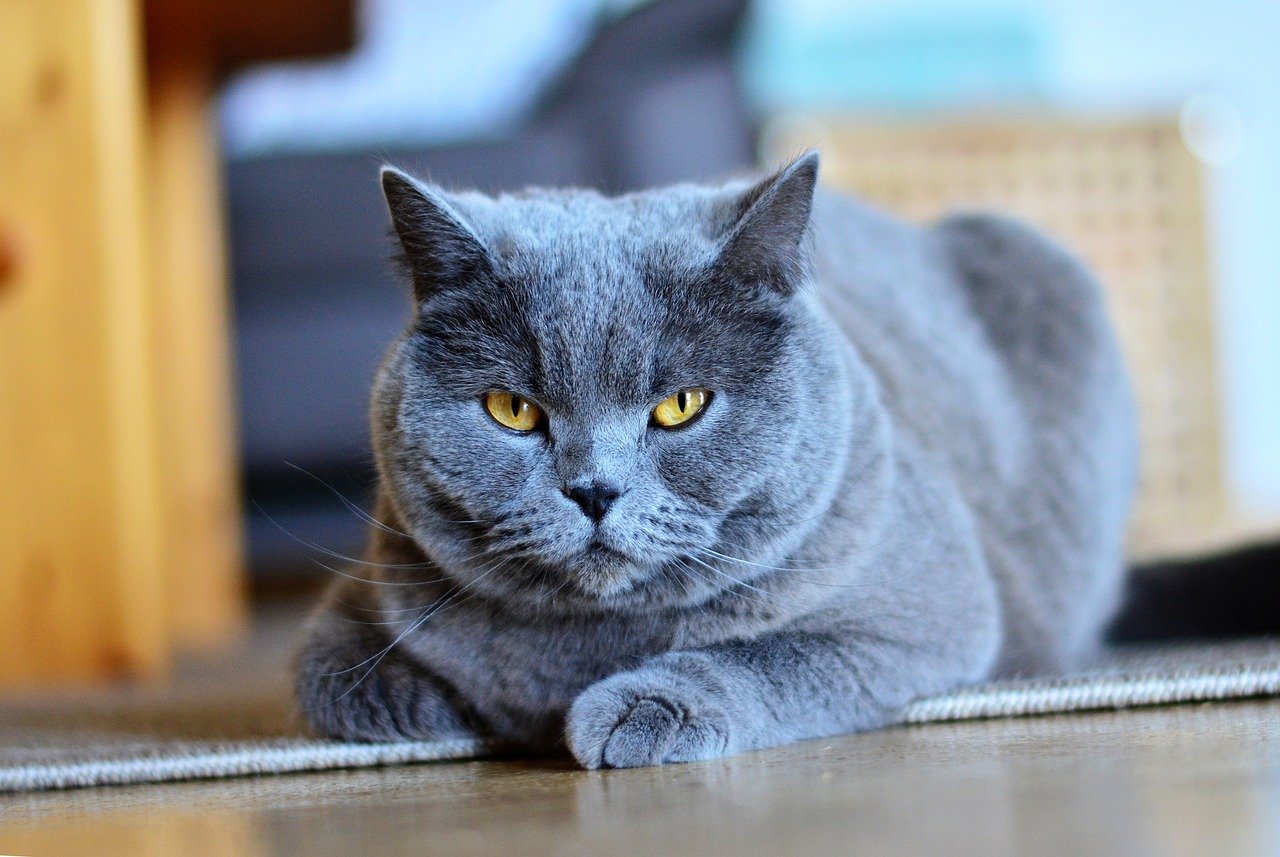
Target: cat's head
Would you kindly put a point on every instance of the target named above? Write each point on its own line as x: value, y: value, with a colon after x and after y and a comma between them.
x: 603, y: 398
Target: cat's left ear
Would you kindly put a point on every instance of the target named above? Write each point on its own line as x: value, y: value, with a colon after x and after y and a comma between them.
x: 766, y: 244
x: 439, y: 248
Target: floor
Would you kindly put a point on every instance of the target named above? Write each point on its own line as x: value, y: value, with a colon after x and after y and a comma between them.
x: 1183, y: 780
x: 1193, y: 780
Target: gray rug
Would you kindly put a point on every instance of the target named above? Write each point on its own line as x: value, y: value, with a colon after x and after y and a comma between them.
x: 228, y: 732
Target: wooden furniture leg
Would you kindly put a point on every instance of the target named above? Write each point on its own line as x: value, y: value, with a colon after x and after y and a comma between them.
x: 119, y: 518
x: 81, y: 541
x: 190, y: 333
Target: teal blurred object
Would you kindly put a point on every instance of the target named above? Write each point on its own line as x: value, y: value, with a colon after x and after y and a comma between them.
x: 898, y: 61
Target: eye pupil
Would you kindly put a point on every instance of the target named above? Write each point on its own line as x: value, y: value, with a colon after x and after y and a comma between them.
x: 682, y: 401
x: 515, y: 406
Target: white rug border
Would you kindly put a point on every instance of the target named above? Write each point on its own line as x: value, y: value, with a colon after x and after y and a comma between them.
x: 235, y: 759
x: 1019, y: 698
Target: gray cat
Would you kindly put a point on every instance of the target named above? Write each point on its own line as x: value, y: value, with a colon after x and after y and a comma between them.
x: 699, y: 470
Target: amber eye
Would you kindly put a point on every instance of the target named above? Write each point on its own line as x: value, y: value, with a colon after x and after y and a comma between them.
x: 515, y: 412
x: 682, y: 407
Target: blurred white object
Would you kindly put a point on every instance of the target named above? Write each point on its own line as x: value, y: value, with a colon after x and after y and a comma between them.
x: 422, y: 72
x: 1212, y: 128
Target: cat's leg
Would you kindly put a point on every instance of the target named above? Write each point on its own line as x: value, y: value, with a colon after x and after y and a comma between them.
x: 351, y: 683
x: 806, y: 682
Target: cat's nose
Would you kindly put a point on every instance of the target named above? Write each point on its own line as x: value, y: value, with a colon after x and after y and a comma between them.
x: 594, y: 497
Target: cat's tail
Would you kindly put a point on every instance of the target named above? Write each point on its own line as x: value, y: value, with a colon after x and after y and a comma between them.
x: 1235, y: 593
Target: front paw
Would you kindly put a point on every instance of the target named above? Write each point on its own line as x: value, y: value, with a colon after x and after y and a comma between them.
x: 648, y: 716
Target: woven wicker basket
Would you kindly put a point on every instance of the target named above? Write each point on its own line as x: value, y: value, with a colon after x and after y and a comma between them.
x: 1127, y: 198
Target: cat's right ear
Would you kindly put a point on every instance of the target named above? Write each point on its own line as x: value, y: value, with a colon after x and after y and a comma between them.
x: 438, y: 248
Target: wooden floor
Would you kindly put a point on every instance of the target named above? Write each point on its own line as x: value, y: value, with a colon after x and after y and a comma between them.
x: 1191, y: 780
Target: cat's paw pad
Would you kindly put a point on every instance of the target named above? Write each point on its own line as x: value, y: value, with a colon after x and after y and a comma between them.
x: 646, y: 717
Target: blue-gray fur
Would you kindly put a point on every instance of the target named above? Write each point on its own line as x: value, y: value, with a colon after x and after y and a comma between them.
x: 914, y: 472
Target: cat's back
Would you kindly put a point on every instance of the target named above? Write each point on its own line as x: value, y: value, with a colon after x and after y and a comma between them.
x: 895, y: 291
x: 996, y: 357
x: 976, y: 314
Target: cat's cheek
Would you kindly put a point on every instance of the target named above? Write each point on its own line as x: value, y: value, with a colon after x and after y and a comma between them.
x: 717, y: 473
x: 703, y: 459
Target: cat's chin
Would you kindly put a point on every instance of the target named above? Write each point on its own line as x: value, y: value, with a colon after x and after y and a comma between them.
x: 603, y: 572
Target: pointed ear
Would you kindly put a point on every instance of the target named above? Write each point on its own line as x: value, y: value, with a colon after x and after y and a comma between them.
x: 439, y: 248
x: 766, y: 244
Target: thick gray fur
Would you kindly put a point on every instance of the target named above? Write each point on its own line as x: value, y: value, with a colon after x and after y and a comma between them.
x: 914, y: 472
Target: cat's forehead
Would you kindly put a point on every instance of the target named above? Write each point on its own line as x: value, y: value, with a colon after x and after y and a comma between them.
x: 597, y: 299
x: 587, y: 289
x: 582, y: 260
x: 584, y: 225
x: 588, y: 277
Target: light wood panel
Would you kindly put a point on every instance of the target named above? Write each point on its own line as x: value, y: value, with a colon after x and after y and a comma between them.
x: 80, y: 505
x: 190, y: 331
x: 119, y: 518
